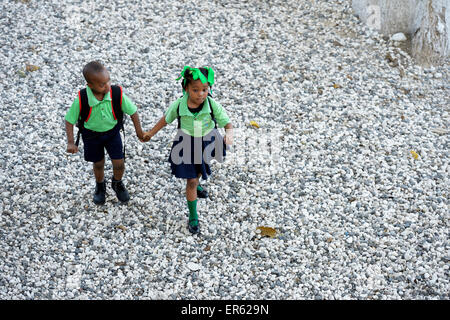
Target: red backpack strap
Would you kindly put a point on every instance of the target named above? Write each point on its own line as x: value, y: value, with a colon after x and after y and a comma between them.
x: 79, y: 99
x: 112, y: 103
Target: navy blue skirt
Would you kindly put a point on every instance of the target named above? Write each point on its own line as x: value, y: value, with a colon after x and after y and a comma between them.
x: 191, y: 156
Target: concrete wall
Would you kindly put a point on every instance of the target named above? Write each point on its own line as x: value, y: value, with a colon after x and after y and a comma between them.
x: 430, y: 43
x: 394, y: 16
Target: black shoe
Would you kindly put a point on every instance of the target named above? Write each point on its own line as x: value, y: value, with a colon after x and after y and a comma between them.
x: 100, y: 193
x: 194, y: 229
x: 202, y: 194
x: 121, y: 191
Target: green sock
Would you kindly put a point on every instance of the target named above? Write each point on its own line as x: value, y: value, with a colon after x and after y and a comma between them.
x: 199, y: 188
x: 192, y: 205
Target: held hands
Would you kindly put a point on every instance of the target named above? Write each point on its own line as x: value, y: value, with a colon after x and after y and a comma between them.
x: 145, y: 137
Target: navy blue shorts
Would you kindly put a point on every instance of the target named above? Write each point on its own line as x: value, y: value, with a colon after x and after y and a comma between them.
x: 190, y: 157
x: 95, y: 144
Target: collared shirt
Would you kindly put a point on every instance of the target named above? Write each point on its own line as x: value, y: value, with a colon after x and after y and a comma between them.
x: 101, y: 118
x: 200, y: 124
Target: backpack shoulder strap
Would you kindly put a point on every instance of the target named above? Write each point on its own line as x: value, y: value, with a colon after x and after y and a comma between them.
x: 116, y: 102
x: 85, y: 109
x: 178, y: 115
x: 116, y: 94
x: 212, y: 110
x: 85, y: 112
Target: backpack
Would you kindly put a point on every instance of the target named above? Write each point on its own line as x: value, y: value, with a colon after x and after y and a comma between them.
x: 85, y: 110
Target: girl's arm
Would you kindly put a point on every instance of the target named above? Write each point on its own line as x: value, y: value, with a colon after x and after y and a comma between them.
x: 158, y: 126
x: 228, y: 134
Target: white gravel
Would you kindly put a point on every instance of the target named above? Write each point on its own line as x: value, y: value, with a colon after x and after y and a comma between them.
x: 340, y: 109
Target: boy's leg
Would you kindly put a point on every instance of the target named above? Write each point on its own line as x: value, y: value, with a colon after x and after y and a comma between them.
x: 118, y: 168
x: 117, y: 184
x: 94, y: 152
x: 99, y: 170
x: 191, y: 197
x: 114, y: 147
x: 100, y: 188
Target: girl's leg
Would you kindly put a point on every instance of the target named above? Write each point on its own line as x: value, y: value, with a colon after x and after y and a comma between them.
x: 201, y: 192
x: 191, y: 197
x: 191, y: 189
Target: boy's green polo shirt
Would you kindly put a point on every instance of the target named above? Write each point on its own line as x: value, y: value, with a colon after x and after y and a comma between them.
x: 201, y: 124
x: 101, y: 118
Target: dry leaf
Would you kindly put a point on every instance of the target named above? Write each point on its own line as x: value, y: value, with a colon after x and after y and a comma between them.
x: 122, y: 228
x: 31, y: 68
x: 267, y: 231
x: 414, y: 154
x: 253, y: 123
x: 207, y: 248
x: 392, y: 60
x: 439, y: 131
x: 336, y: 86
x: 21, y: 73
x: 263, y: 34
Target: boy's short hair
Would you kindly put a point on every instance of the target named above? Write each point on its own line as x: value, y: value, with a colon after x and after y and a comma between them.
x: 92, y: 68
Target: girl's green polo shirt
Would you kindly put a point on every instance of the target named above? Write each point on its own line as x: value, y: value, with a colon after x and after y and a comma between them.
x: 101, y: 118
x: 201, y: 124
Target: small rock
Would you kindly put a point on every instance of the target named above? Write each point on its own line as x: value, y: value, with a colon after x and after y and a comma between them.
x: 407, y: 256
x: 398, y: 37
x: 193, y: 266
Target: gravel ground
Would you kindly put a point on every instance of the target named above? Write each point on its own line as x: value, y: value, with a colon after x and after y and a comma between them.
x: 340, y: 108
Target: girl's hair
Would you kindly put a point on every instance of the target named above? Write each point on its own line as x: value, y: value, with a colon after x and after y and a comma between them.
x: 188, y: 78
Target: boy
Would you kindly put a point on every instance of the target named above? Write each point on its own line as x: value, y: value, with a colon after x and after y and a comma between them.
x: 101, y: 129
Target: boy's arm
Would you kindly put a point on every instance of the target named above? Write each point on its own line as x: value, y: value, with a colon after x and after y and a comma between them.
x: 71, y: 147
x: 137, y: 126
x: 158, y: 126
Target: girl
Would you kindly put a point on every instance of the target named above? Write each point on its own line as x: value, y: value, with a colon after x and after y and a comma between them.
x: 197, y: 140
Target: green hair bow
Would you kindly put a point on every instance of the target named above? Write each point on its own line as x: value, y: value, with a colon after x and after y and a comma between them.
x: 197, y: 74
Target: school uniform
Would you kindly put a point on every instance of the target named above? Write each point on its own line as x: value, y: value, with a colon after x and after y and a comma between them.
x: 197, y: 141
x: 101, y: 130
